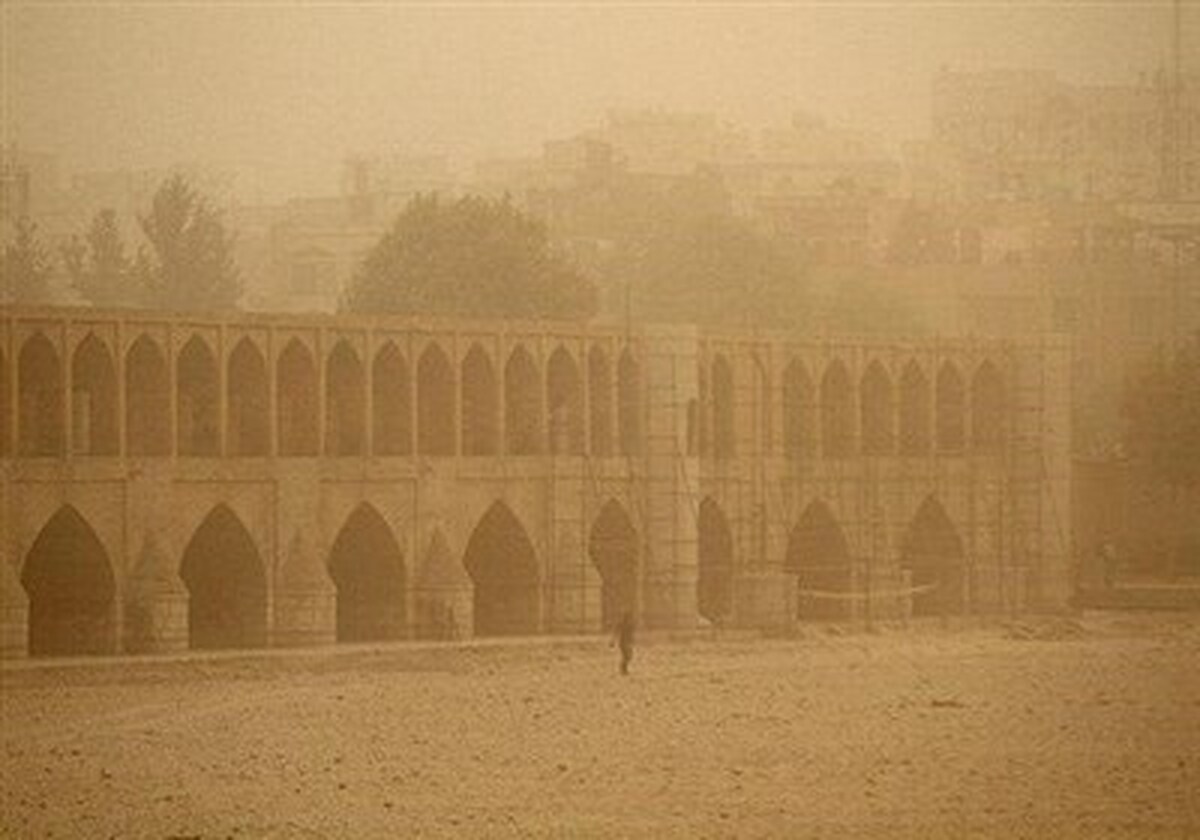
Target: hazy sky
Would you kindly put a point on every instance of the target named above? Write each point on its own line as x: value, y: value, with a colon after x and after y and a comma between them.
x: 287, y: 89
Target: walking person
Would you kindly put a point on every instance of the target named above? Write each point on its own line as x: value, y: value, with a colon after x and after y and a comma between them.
x: 623, y: 639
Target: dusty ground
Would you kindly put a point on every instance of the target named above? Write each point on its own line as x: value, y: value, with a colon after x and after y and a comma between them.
x: 1054, y: 728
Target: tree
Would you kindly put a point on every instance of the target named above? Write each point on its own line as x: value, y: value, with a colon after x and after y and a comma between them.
x: 25, y: 266
x: 472, y: 256
x: 190, y: 265
x: 100, y: 270
x: 1162, y: 409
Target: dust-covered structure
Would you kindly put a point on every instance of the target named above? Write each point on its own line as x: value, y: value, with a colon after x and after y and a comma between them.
x: 176, y: 481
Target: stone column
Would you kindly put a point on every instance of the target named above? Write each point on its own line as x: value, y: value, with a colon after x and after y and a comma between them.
x: 305, y: 599
x: 155, y: 605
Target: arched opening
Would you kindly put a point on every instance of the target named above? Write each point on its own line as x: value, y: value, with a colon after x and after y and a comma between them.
x: 629, y: 405
x: 296, y: 400
x: 391, y: 398
x: 818, y: 555
x: 714, y: 586
x: 72, y: 594
x: 703, y: 431
x: 600, y: 403
x: 436, y: 430
x: 837, y: 412
x: 933, y: 554
x: 877, y: 412
x: 522, y: 404
x: 5, y: 408
x: 345, y: 403
x: 987, y: 409
x: 564, y: 392
x: 367, y: 567
x: 93, y: 399
x: 613, y: 547
x: 501, y: 562
x: 248, y: 402
x: 147, y: 400
x: 480, y: 404
x: 40, y: 391
x: 722, y: 394
x: 226, y: 584
x: 914, y: 411
x: 798, y: 425
x: 951, y: 409
x: 196, y: 402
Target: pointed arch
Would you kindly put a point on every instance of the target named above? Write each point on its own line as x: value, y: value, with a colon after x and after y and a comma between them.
x: 878, y: 411
x: 367, y: 567
x: 798, y: 421
x: 987, y: 409
x: 391, y: 402
x: 714, y: 585
x: 837, y: 412
x: 933, y: 553
x: 226, y: 583
x: 600, y: 403
x: 296, y: 400
x: 40, y: 397
x: 248, y: 401
x: 93, y: 399
x: 723, y: 409
x: 629, y: 404
x: 504, y: 569
x: 819, y: 556
x: 480, y: 404
x: 197, y: 397
x: 436, y: 429
x: 950, y: 411
x: 613, y: 548
x: 522, y: 404
x: 914, y: 411
x: 564, y: 394
x: 71, y: 588
x: 147, y: 399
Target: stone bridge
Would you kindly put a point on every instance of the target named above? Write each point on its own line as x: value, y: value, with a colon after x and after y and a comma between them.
x: 175, y: 481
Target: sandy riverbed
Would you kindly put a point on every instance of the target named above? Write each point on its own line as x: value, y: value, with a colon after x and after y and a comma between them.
x: 1052, y: 728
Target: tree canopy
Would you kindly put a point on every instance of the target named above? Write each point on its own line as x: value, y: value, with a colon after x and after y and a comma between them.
x: 25, y: 266
x: 470, y: 256
x: 98, y: 266
x: 190, y: 263
x: 1162, y: 408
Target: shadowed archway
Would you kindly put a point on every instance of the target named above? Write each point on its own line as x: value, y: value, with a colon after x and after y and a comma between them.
x: 345, y: 403
x: 248, y: 402
x: 391, y: 398
x: 564, y: 393
x: 522, y: 404
x: 877, y: 412
x: 72, y: 593
x: 798, y: 416
x: 714, y: 586
x: 933, y: 554
x: 436, y: 430
x: 147, y: 400
x: 950, y: 411
x: 367, y: 567
x: 723, y: 409
x: 987, y: 409
x: 914, y: 411
x: 503, y: 566
x: 613, y: 548
x: 93, y: 399
x: 837, y: 412
x: 296, y: 400
x: 600, y: 423
x: 196, y: 401
x: 40, y: 396
x: 629, y: 404
x: 817, y: 553
x: 480, y: 404
x: 226, y: 583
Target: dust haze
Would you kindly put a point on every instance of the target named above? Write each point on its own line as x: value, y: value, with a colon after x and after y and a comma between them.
x: 547, y: 419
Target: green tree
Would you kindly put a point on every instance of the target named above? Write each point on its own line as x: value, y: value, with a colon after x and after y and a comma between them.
x: 1162, y: 409
x: 98, y: 267
x: 471, y: 256
x: 190, y: 264
x: 25, y: 267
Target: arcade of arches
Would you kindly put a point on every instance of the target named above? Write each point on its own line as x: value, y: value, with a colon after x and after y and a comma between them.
x: 366, y: 481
